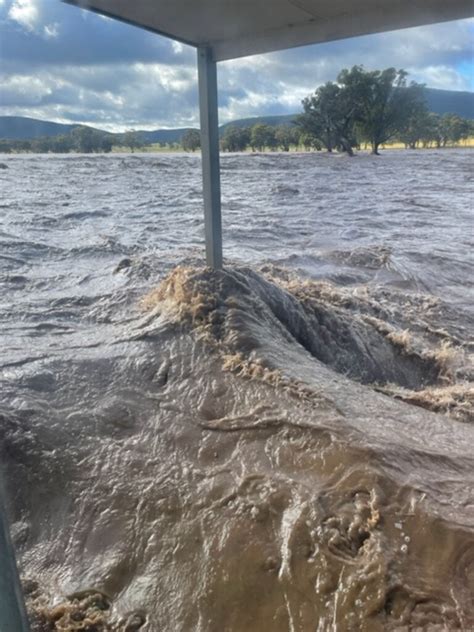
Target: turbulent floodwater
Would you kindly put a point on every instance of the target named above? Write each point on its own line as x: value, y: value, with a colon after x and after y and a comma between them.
x: 285, y: 445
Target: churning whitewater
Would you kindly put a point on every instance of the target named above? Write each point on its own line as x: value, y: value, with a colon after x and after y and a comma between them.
x: 284, y: 445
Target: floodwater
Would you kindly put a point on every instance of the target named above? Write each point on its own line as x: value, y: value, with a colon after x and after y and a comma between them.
x: 285, y: 445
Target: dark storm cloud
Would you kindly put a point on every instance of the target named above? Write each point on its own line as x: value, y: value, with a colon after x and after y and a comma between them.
x: 60, y: 34
x: 62, y: 63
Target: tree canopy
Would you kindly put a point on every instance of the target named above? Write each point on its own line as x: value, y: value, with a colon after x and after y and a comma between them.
x: 383, y: 102
x: 235, y: 138
x: 132, y: 140
x: 191, y: 140
x: 372, y: 106
x: 329, y: 115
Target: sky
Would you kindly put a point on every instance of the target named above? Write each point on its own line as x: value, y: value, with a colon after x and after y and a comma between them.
x: 63, y: 64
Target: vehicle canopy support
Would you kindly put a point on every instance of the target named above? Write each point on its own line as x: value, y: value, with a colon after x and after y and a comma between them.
x: 12, y: 607
x: 207, y: 74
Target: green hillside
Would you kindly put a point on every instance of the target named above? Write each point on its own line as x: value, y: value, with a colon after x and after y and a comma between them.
x: 450, y: 102
x: 21, y: 128
x: 282, y: 119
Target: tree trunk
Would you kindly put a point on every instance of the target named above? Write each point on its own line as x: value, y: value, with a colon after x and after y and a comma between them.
x: 375, y: 149
x: 347, y: 146
x: 328, y: 141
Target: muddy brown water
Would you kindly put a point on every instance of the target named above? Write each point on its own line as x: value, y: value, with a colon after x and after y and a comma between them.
x: 284, y: 445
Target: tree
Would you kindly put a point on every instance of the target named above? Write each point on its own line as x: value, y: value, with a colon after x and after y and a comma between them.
x: 23, y: 145
x: 62, y: 144
x: 453, y: 129
x: 41, y: 145
x: 87, y: 140
x: 261, y: 136
x: 107, y: 142
x: 309, y: 141
x: 191, y: 140
x: 132, y: 139
x: 285, y: 136
x: 432, y: 131
x: 272, y: 142
x: 417, y: 128
x: 383, y: 102
x: 329, y: 116
x: 84, y: 140
x: 235, y: 138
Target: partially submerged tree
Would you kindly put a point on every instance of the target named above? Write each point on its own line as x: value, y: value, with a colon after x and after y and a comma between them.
x: 235, y: 138
x: 309, y: 141
x: 286, y: 136
x: 84, y: 140
x: 432, y: 131
x: 262, y: 136
x: 62, y: 144
x: 382, y: 100
x: 418, y: 128
x: 329, y: 115
x: 132, y: 140
x: 453, y: 129
x: 191, y: 140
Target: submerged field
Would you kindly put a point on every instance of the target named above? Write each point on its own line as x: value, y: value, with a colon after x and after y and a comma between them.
x: 284, y: 445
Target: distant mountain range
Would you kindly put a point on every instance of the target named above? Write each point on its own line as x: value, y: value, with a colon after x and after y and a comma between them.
x: 20, y: 128
x: 450, y: 102
x: 23, y: 128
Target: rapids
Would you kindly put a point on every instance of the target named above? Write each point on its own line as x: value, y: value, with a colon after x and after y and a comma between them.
x: 282, y: 445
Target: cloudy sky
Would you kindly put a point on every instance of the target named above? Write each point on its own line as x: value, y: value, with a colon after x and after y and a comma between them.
x: 63, y: 64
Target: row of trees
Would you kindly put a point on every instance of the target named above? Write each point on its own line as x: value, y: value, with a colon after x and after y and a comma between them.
x: 425, y: 129
x: 428, y: 130
x: 375, y: 108
x: 81, y: 139
x: 261, y: 136
x: 257, y: 138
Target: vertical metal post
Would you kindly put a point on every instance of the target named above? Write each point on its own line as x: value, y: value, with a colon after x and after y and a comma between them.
x: 207, y: 74
x: 12, y: 607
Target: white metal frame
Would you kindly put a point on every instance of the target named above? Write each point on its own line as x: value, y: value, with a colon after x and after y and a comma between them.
x: 207, y: 74
x: 13, y: 616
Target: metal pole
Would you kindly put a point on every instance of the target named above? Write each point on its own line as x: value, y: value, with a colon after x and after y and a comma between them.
x: 12, y: 607
x: 207, y: 74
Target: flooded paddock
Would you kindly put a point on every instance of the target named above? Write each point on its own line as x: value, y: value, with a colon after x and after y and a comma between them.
x: 282, y: 445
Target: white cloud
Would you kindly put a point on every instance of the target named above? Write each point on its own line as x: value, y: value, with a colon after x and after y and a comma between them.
x: 443, y: 77
x: 177, y: 47
x: 30, y: 14
x: 138, y: 96
x: 51, y: 30
x: 23, y: 90
x: 26, y: 13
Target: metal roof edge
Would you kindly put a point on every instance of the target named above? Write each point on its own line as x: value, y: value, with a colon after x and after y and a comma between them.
x: 113, y: 16
x: 357, y: 25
